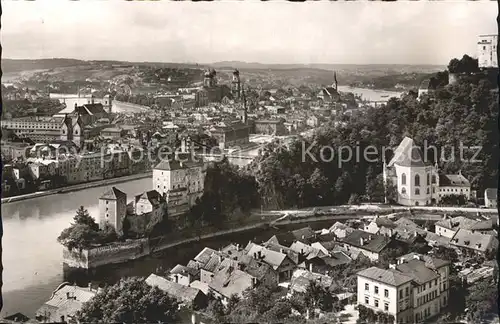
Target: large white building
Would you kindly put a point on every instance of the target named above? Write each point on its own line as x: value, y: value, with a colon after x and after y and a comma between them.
x: 418, y: 182
x: 487, y: 51
x: 414, y: 289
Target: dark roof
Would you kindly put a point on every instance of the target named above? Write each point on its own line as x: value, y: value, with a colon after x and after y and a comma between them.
x: 95, y: 108
x: 17, y: 317
x: 152, y: 196
x: 305, y: 233
x: 114, y: 193
x: 284, y: 239
x: 180, y: 162
x: 336, y: 258
x: 330, y: 91
x: 418, y: 271
x: 453, y: 180
x: 371, y: 242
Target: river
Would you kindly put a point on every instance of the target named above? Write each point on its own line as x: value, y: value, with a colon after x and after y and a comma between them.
x: 371, y: 94
x: 32, y: 258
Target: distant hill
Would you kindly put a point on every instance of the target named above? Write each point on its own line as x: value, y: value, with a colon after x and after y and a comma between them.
x: 14, y: 65
x: 18, y: 65
x: 388, y: 68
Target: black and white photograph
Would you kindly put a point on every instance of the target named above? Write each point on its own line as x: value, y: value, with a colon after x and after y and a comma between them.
x: 177, y: 162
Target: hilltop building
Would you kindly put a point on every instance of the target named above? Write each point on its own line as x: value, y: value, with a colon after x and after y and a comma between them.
x: 418, y: 182
x: 487, y: 51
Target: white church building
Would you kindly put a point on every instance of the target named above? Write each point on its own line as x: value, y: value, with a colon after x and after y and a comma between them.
x: 418, y: 182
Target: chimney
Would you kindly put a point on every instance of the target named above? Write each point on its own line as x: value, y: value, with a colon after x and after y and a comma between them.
x: 310, y: 267
x: 392, y: 266
x: 281, y: 250
x: 221, y: 259
x: 369, y: 237
x: 237, y: 247
x: 193, y: 318
x: 361, y: 241
x: 254, y: 282
x: 259, y: 254
x: 176, y: 278
x: 76, y: 105
x: 68, y: 295
x: 90, y: 286
x: 390, y: 232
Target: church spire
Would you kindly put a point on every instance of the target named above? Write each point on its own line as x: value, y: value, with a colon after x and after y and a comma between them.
x: 335, y: 83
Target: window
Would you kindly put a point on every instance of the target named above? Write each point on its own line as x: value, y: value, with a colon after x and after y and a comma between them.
x: 407, y: 291
x: 484, y: 48
x: 386, y: 293
x: 444, y: 285
x: 428, y: 191
x: 403, y: 179
x: 401, y: 293
x: 433, y: 190
x: 367, y: 286
x: 433, y: 179
x: 417, y: 191
x: 376, y: 302
x: 428, y: 179
x: 367, y: 300
x: 386, y: 307
x: 435, y: 282
x: 376, y: 290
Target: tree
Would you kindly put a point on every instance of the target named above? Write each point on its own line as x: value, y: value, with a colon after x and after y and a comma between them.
x: 131, y: 300
x: 78, y: 236
x: 83, y: 217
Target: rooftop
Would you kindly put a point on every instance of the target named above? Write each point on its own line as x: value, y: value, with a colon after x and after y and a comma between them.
x: 388, y: 276
x: 408, y: 155
x: 113, y: 193
x: 181, y: 292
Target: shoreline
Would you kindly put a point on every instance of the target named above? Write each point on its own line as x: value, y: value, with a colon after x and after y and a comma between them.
x: 77, y: 187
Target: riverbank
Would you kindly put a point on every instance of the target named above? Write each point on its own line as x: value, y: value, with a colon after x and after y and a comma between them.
x: 77, y: 187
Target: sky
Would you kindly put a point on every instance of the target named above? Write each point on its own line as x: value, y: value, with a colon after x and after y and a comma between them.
x: 420, y: 32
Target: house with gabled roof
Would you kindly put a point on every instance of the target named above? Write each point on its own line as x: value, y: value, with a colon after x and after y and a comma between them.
x: 230, y: 281
x: 371, y: 245
x: 279, y: 261
x: 472, y: 243
x: 186, y: 295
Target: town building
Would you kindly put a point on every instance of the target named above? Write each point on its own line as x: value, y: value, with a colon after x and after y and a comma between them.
x: 113, y: 209
x: 181, y: 178
x: 65, y: 301
x: 417, y: 181
x: 189, y: 296
x: 470, y: 243
x: 270, y: 127
x: 360, y: 242
x: 487, y: 51
x: 330, y: 94
x: 413, y: 290
x: 210, y: 91
x: 279, y: 261
x: 41, y: 129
